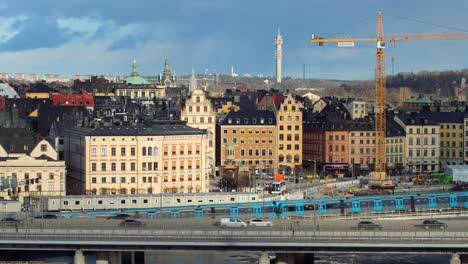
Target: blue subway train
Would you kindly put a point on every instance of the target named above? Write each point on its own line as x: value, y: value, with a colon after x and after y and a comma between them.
x: 250, y: 204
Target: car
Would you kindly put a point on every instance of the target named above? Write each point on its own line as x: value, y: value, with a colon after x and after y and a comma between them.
x: 232, y: 222
x: 131, y: 222
x: 46, y: 216
x: 259, y: 222
x: 369, y: 225
x: 119, y: 216
x: 431, y: 223
x: 10, y: 220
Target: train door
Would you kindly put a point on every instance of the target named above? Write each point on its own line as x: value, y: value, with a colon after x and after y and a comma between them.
x: 234, y: 212
x: 322, y: 208
x: 399, y: 204
x: 378, y: 205
x: 453, y: 200
x: 356, y: 206
x: 299, y: 209
x: 432, y: 202
x: 257, y: 211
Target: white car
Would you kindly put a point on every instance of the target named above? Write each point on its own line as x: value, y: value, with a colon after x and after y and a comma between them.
x: 232, y: 222
x: 259, y: 222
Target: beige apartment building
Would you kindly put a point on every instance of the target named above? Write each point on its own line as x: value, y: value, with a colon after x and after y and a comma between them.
x: 395, y: 141
x: 198, y: 113
x: 167, y: 156
x: 33, y: 173
x: 451, y: 137
x: 422, y: 143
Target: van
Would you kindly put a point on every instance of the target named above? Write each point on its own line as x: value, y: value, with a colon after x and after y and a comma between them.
x: 232, y: 222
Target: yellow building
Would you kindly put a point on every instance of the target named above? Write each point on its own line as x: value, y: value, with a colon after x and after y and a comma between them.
x: 289, y: 135
x: 395, y: 147
x: 198, y: 113
x: 248, y: 140
x: 168, y: 156
x: 361, y: 147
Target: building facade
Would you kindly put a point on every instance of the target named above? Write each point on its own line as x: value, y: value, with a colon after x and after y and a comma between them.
x: 167, y: 157
x: 289, y: 133
x: 361, y: 147
x: 198, y: 112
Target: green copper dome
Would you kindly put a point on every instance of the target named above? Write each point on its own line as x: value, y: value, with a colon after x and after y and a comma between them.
x: 135, y: 78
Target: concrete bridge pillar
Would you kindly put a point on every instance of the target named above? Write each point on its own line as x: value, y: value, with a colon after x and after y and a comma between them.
x: 79, y: 258
x: 102, y: 258
x: 285, y: 258
x: 264, y: 259
x: 114, y: 257
x: 455, y: 259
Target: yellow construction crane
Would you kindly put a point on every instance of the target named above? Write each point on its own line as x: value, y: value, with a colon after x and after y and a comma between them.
x: 379, y: 178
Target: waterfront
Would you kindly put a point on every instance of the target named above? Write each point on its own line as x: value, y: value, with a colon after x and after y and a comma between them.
x: 197, y: 257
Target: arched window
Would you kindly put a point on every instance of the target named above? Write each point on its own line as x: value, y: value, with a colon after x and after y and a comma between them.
x: 150, y: 151
x: 143, y: 151
x: 281, y: 158
x: 155, y: 150
x: 288, y: 158
x: 296, y: 158
x: 132, y: 191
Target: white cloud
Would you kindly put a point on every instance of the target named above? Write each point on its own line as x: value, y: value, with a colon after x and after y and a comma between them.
x: 84, y: 25
x: 10, y: 26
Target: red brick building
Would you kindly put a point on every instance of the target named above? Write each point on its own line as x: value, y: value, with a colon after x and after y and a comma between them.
x: 81, y: 99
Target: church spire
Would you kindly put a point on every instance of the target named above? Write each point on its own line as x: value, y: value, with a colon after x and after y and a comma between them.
x: 167, y: 70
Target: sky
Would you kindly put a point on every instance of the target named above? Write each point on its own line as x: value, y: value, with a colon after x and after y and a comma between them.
x: 103, y: 37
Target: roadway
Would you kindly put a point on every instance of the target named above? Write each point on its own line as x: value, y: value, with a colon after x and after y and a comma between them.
x: 457, y: 224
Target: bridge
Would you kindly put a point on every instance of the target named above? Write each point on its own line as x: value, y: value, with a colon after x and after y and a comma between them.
x: 293, y: 241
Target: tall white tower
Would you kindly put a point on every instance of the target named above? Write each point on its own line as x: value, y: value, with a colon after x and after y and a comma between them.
x: 279, y: 56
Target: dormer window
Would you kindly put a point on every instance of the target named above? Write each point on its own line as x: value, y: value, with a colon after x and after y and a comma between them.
x: 237, y: 120
x: 254, y: 121
x: 246, y: 121
x: 262, y: 120
x: 229, y: 120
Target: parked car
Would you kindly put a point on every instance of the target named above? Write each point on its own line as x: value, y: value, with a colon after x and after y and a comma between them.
x: 369, y: 225
x: 259, y: 222
x: 46, y: 216
x: 432, y: 224
x: 119, y: 216
x: 131, y: 222
x: 232, y: 222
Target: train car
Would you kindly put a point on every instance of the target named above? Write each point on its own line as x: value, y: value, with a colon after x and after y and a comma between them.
x: 145, y: 201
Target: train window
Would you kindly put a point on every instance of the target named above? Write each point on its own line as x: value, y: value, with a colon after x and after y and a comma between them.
x: 77, y: 202
x: 210, y: 201
x: 134, y: 201
x: 233, y: 199
x: 122, y: 201
x: 178, y: 200
x: 145, y: 201
x: 189, y: 200
x: 65, y: 202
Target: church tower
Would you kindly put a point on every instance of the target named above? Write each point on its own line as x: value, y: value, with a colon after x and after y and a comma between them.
x: 279, y: 56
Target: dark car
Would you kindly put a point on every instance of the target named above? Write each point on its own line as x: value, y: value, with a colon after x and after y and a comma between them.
x: 430, y: 223
x: 131, y: 222
x: 47, y: 216
x: 368, y: 225
x: 10, y: 220
x: 119, y: 216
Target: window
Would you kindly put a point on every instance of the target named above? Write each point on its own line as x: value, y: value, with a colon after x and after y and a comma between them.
x: 51, y: 176
x: 132, y: 166
x: 113, y: 166
x: 122, y: 166
x: 93, y: 151
x: 103, y: 151
x: 43, y: 147
x: 93, y: 166
x: 122, y: 151
x: 103, y: 166
x: 113, y: 152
